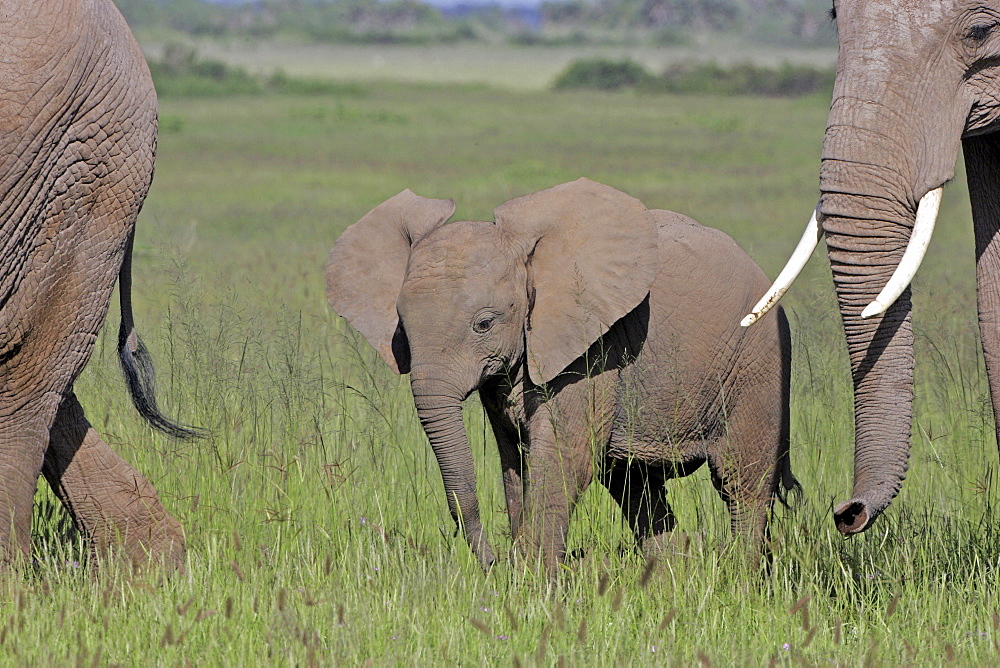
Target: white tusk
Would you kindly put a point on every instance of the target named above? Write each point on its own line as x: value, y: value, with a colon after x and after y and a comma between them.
x: 916, y: 247
x: 803, y: 251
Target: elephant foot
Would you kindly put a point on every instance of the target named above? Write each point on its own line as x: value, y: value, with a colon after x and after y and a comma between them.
x: 161, y: 545
x: 672, y: 543
x: 530, y: 556
x: 111, y: 503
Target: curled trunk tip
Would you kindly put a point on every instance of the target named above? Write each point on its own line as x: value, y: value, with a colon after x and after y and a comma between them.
x: 853, y: 516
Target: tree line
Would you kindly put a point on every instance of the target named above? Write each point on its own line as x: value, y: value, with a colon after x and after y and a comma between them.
x: 791, y: 22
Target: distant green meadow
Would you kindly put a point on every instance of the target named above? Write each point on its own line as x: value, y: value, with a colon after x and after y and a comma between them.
x: 317, y: 526
x: 501, y: 65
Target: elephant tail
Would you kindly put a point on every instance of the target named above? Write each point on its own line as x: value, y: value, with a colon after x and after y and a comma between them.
x: 137, y: 364
x: 787, y: 485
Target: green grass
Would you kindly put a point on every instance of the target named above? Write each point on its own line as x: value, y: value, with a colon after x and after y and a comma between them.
x: 501, y: 65
x: 317, y: 527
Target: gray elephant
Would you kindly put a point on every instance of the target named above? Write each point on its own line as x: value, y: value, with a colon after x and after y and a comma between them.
x: 916, y: 80
x: 78, y: 120
x: 603, y: 338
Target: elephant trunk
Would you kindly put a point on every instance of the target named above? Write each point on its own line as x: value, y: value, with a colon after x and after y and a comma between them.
x: 866, y: 235
x: 892, y: 137
x: 440, y: 414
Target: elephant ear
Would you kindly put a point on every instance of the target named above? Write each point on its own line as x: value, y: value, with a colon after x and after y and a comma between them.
x: 594, y: 259
x: 366, y: 267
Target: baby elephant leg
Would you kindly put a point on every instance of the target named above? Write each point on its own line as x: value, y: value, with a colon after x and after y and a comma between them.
x: 745, y: 470
x: 641, y: 493
x: 558, y: 472
x: 110, y: 502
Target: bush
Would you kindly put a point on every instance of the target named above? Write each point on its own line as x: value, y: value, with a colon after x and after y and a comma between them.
x: 182, y: 73
x: 707, y: 78
x: 603, y: 75
x: 747, y: 79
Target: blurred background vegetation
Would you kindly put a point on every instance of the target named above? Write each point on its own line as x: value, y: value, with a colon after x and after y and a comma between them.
x: 800, y: 23
x: 777, y: 48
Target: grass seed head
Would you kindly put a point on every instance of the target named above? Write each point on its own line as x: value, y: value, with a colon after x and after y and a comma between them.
x: 183, y: 608
x: 543, y: 641
x: 480, y: 625
x: 602, y: 584
x: 205, y: 614
x: 511, y: 617
x: 892, y: 605
x: 647, y: 572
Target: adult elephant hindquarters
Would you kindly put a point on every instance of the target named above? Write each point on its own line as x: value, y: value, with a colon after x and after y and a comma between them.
x: 77, y: 141
x: 915, y: 80
x: 580, y: 318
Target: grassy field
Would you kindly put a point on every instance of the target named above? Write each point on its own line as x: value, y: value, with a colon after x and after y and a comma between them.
x: 497, y: 65
x: 317, y: 527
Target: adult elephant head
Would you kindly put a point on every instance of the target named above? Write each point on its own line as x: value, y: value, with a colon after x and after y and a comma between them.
x: 915, y: 80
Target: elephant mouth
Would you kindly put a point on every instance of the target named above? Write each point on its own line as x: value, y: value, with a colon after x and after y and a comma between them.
x: 916, y: 248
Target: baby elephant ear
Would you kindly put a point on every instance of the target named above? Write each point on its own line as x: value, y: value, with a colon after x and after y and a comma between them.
x: 367, y: 265
x: 595, y: 257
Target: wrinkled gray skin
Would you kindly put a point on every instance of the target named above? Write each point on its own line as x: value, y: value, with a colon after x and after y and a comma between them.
x: 77, y: 139
x: 916, y: 80
x: 520, y: 310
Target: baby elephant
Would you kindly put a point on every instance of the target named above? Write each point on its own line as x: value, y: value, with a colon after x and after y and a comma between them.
x: 602, y: 337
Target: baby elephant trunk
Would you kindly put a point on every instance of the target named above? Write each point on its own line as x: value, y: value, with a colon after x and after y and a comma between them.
x: 441, y: 417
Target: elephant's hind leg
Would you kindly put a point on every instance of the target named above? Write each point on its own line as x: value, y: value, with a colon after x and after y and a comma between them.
x: 745, y: 470
x: 642, y: 495
x: 24, y: 432
x: 111, y: 503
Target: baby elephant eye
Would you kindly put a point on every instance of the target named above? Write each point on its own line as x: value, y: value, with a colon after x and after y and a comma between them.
x: 483, y: 325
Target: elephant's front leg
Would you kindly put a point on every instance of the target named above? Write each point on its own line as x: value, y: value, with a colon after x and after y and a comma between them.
x: 566, y: 433
x: 982, y: 161
x: 509, y: 446
x: 512, y: 464
x: 111, y: 503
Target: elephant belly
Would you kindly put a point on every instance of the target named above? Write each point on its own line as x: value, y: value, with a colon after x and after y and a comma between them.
x: 672, y: 403
x: 663, y: 432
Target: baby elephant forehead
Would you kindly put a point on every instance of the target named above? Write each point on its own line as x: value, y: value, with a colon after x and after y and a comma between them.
x: 463, y: 246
